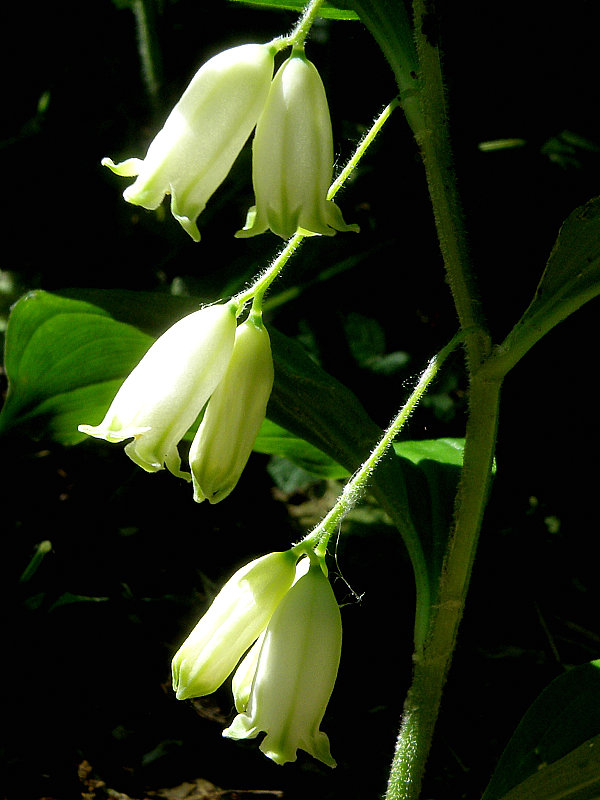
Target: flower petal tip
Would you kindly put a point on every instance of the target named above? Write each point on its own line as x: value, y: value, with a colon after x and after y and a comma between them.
x: 126, y: 169
x: 188, y: 225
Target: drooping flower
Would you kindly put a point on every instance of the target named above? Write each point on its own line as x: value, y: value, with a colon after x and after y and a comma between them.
x: 164, y: 394
x: 235, y: 412
x: 293, y: 157
x: 203, y: 135
x: 236, y: 618
x: 295, y: 673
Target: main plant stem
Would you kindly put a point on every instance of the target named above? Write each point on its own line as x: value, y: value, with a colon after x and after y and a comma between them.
x: 432, y: 662
x: 431, y: 665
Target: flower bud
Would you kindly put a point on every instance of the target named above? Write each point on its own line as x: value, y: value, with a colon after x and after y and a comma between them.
x: 235, y: 412
x: 236, y: 618
x: 203, y: 135
x: 167, y: 390
x: 293, y: 157
x: 295, y: 673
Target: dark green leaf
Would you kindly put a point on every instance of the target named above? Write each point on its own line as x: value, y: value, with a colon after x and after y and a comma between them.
x: 288, y: 476
x: 571, y: 278
x: 309, y: 402
x: 151, y: 312
x: 333, y: 9
x: 390, y: 25
x: 555, y: 750
x: 64, y: 359
x: 275, y: 440
x: 576, y: 776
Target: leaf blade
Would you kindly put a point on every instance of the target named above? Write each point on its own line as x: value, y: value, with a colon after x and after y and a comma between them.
x: 571, y: 279
x: 562, y: 718
x: 333, y: 9
x: 56, y: 347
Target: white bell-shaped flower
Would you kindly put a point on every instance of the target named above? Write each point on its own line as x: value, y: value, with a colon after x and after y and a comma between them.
x: 236, y: 618
x: 203, y: 135
x: 293, y: 157
x: 235, y: 412
x: 164, y: 394
x: 295, y: 673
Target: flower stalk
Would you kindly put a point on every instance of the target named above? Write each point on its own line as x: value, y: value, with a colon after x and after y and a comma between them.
x: 319, y: 537
x: 305, y: 23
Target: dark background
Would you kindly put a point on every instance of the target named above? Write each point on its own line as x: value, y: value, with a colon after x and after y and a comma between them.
x: 88, y: 640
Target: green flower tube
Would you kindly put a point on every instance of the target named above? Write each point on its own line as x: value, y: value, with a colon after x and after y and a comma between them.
x: 293, y: 157
x: 164, y: 394
x: 237, y: 617
x: 295, y: 673
x: 235, y: 412
x: 203, y: 135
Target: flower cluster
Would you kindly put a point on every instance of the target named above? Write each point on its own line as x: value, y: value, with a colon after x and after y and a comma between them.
x: 205, y: 132
x: 275, y: 627
x: 284, y: 617
x: 204, y: 360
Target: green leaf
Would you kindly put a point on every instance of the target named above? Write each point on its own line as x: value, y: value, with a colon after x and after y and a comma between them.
x: 288, y: 476
x: 439, y: 451
x: 310, y: 403
x: 275, y: 440
x: 555, y: 750
x: 389, y: 23
x: 571, y: 278
x: 432, y: 474
x: 65, y: 360
x: 333, y: 9
x: 574, y: 777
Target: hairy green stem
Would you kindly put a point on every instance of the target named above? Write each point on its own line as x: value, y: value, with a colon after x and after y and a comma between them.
x: 432, y: 664
x: 302, y: 28
x: 361, y: 148
x: 319, y: 537
x: 431, y: 667
x: 353, y: 490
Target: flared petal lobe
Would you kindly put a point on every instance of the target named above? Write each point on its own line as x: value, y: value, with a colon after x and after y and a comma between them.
x: 164, y: 394
x: 293, y: 157
x: 295, y: 673
x: 203, y: 135
x: 234, y: 414
x: 236, y: 618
